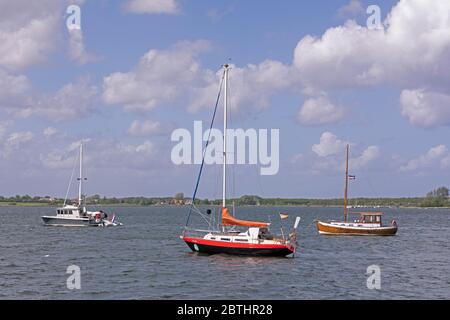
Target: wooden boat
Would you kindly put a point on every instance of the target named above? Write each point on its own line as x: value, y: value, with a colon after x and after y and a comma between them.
x: 231, y: 235
x: 368, y: 224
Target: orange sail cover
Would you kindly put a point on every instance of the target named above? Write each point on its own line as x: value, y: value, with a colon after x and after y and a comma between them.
x: 229, y: 220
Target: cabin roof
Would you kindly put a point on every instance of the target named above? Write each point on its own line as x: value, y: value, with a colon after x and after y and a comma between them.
x: 68, y: 207
x: 369, y: 213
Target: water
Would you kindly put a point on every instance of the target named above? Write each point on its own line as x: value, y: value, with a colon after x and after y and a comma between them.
x: 145, y: 259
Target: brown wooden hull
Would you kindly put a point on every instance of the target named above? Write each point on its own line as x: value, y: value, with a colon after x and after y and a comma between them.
x: 331, y: 229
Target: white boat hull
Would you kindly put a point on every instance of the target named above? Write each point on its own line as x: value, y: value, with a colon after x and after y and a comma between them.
x: 69, y: 222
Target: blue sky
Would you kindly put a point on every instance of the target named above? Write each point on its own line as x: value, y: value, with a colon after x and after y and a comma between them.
x: 138, y: 69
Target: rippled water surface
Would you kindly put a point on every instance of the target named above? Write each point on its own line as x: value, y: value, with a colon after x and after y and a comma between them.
x: 145, y: 259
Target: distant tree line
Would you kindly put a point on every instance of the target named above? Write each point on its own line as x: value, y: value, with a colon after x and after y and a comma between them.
x: 436, y: 198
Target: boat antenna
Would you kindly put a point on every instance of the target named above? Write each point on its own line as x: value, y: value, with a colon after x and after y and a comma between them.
x: 346, y: 185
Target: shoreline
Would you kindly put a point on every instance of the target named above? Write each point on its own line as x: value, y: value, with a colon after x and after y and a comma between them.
x: 20, y: 204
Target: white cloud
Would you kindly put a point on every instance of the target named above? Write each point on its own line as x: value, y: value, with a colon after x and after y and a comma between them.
x: 3, y: 127
x: 432, y: 157
x: 328, y: 156
x: 367, y: 157
x: 445, y: 162
x: 13, y: 89
x: 77, y: 49
x: 31, y: 30
x: 58, y: 160
x: 329, y: 145
x: 424, y: 108
x: 103, y: 154
x: 74, y: 100
x: 152, y: 6
x: 27, y: 31
x: 216, y: 15
x: 353, y: 8
x: 144, y: 128
x: 175, y: 75
x: 412, y: 49
x: 251, y: 86
x: 160, y: 76
x: 15, y: 139
x: 50, y: 132
x: 318, y: 111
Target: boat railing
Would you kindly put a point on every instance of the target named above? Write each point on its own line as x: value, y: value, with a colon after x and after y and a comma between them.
x: 187, y: 232
x: 197, y: 232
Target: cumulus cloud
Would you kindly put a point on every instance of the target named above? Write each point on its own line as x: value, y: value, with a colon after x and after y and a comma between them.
x: 367, y: 157
x: 164, y: 76
x: 251, y: 86
x: 329, y: 145
x: 152, y: 6
x: 160, y: 76
x: 319, y: 111
x: 144, y: 128
x: 13, y: 89
x: 31, y: 30
x: 16, y: 139
x: 352, y: 8
x: 73, y: 100
x: 445, y: 162
x: 49, y: 132
x: 412, y: 48
x: 329, y: 156
x: 3, y: 127
x: 102, y: 154
x: 216, y: 15
x: 424, y: 108
x: 27, y: 31
x: 77, y: 49
x: 434, y: 156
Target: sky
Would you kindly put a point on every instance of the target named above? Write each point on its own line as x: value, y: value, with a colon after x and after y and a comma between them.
x: 137, y: 70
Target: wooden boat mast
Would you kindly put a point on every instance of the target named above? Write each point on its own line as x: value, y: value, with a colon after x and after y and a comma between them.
x: 346, y: 186
x: 80, y: 185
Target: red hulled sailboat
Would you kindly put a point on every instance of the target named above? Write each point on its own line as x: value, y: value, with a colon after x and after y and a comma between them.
x: 232, y: 235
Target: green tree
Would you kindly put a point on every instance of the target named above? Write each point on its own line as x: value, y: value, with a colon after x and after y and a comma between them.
x: 436, y: 198
x: 179, y: 196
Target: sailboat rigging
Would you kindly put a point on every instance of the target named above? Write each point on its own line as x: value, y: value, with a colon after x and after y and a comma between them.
x: 225, y: 237
x: 76, y: 215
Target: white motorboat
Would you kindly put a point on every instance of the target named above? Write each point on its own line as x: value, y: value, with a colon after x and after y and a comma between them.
x: 70, y: 215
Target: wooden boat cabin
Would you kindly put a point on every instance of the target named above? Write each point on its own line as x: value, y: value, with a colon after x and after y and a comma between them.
x: 370, y: 217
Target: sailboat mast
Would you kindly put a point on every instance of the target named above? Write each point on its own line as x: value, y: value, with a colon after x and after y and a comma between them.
x: 80, y: 185
x: 224, y: 178
x: 346, y: 186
